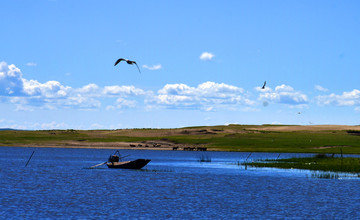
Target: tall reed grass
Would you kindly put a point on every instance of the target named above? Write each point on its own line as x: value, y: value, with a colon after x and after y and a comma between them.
x: 318, y: 162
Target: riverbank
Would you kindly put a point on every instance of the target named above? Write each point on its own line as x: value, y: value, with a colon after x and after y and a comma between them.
x: 97, y: 145
x: 245, y: 138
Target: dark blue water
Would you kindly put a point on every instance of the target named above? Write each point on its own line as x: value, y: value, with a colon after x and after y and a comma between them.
x: 57, y: 184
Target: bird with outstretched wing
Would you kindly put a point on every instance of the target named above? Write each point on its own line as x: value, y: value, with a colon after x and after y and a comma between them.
x: 131, y: 62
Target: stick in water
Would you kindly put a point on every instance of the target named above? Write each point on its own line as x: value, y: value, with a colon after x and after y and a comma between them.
x: 30, y: 158
x: 248, y: 156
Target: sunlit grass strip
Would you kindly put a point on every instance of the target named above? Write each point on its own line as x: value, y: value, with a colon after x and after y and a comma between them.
x: 285, y: 142
x: 332, y: 164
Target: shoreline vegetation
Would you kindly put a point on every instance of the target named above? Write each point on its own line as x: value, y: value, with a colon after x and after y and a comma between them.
x: 326, y: 139
x: 334, y: 140
x: 319, y: 162
x: 321, y: 165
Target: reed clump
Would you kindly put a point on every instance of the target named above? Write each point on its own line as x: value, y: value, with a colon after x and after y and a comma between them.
x: 326, y: 175
x: 204, y: 158
x: 317, y: 162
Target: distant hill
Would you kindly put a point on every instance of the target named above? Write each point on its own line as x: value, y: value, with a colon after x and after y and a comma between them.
x: 7, y: 129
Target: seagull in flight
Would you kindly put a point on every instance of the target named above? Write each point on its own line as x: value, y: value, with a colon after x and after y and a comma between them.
x: 131, y: 62
x: 263, y: 87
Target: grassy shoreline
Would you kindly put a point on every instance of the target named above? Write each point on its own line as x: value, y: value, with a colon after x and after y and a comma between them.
x: 320, y: 162
x: 246, y: 138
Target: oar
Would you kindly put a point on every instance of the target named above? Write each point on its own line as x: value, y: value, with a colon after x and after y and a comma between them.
x: 106, y: 162
x: 98, y: 165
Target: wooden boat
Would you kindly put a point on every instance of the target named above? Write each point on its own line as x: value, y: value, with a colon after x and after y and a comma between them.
x: 114, y: 162
x: 133, y: 164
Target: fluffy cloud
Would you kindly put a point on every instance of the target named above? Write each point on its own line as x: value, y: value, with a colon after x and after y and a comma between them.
x: 284, y: 94
x: 153, y: 67
x: 50, y: 89
x: 123, y: 91
x: 206, y: 56
x: 11, y: 82
x: 351, y: 98
x: 122, y: 103
x: 78, y: 101
x: 205, y: 96
x: 320, y: 88
x: 89, y: 89
x: 25, y: 93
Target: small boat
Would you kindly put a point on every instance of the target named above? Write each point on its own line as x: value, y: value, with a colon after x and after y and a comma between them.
x: 131, y: 164
x: 114, y: 162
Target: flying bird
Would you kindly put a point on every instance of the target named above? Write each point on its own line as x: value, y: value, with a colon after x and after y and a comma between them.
x: 263, y: 87
x: 131, y: 62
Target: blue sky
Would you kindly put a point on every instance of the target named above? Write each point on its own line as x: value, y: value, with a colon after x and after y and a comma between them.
x: 202, y: 63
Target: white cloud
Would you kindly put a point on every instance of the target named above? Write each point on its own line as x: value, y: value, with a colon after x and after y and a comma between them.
x: 284, y: 88
x: 96, y: 126
x: 320, y: 88
x: 31, y: 64
x: 260, y: 89
x: 209, y: 109
x: 284, y: 94
x: 50, y: 89
x: 153, y: 67
x: 53, y: 125
x: 110, y: 108
x: 249, y: 109
x: 18, y: 100
x: 207, y: 89
x: 206, y: 96
x: 10, y: 79
x: 26, y: 94
x: 79, y: 101
x: 89, y: 89
x: 122, y: 103
x: 351, y: 98
x: 123, y: 91
x: 24, y: 108
x: 29, y: 95
x: 206, y: 56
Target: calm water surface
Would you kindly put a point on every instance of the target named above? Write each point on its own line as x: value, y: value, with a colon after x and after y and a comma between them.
x: 57, y: 184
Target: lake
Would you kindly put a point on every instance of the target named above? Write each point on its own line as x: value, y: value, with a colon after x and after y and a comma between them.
x: 58, y: 184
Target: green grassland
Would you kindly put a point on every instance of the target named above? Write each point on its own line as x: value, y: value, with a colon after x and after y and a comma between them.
x: 247, y: 138
x: 333, y: 164
x: 277, y: 142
